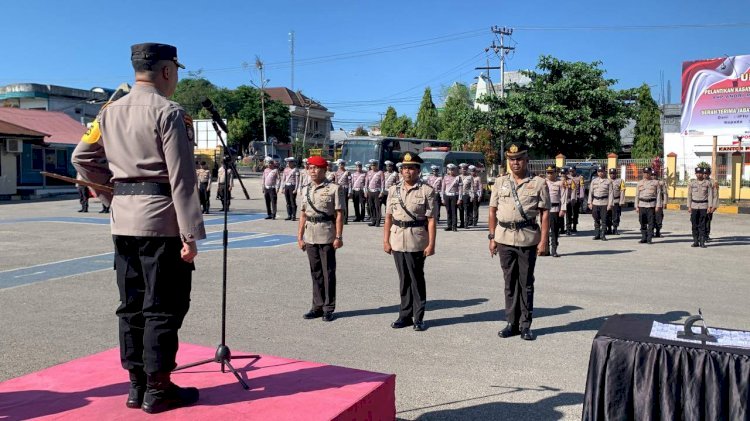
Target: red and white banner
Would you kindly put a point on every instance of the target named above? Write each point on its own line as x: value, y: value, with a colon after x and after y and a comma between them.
x: 716, y: 96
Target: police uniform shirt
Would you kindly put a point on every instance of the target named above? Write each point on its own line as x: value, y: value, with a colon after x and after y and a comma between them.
x: 558, y: 194
x: 533, y: 195
x: 648, y: 189
x: 601, y: 192
x: 271, y: 178
x: 291, y: 177
x: 326, y: 197
x: 220, y: 177
x: 467, y: 184
x: 375, y: 181
x: 664, y: 192
x: 146, y: 138
x: 204, y: 175
x: 618, y: 191
x: 391, y: 179
x: 420, y: 201
x: 452, y: 186
x: 576, y: 185
x: 477, y: 186
x: 358, y: 180
x: 700, y: 194
x: 436, y: 182
x: 343, y: 179
x: 715, y: 187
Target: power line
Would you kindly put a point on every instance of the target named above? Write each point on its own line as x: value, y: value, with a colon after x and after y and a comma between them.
x: 637, y: 27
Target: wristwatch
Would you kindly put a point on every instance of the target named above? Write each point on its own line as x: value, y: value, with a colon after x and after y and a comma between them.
x: 339, y: 238
x: 490, y: 236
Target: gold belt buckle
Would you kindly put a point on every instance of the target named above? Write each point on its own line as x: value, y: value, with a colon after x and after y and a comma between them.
x: 513, y: 225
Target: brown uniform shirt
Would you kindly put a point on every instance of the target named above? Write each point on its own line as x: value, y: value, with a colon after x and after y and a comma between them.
x: 144, y: 137
x: 420, y: 201
x: 648, y: 190
x: 204, y: 175
x: 467, y: 185
x: 601, y: 192
x: 326, y: 197
x: 715, y: 187
x: 558, y: 194
x: 664, y: 192
x: 533, y: 195
x: 700, y: 194
x: 576, y: 184
x: 618, y: 188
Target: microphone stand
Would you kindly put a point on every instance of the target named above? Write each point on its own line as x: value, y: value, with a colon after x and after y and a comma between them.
x: 223, y: 355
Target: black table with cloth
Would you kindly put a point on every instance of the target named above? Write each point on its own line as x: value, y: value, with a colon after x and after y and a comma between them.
x: 633, y: 376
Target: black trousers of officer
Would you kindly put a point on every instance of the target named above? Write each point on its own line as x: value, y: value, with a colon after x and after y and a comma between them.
x: 410, y: 267
x: 699, y: 220
x: 345, y: 208
x: 646, y: 216
x: 154, y: 284
x: 709, y: 218
x: 270, y: 196
x: 224, y: 196
x: 475, y: 212
x: 518, y: 272
x: 613, y: 216
x: 451, y: 207
x: 83, y: 197
x: 569, y: 220
x: 358, y: 197
x: 658, y: 219
x: 465, y: 211
x: 290, y: 195
x: 438, y: 204
x: 555, y: 221
x: 599, y: 213
x: 203, y: 196
x: 322, y: 259
x: 576, y: 211
x: 373, y: 200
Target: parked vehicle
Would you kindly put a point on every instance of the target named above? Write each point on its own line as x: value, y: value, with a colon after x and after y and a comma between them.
x: 383, y: 149
x: 441, y: 157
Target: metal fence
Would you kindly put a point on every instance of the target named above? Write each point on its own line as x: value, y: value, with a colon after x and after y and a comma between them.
x: 539, y: 166
x: 631, y: 170
x: 686, y: 171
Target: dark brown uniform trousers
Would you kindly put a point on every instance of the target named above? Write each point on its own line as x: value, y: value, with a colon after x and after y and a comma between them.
x: 698, y: 220
x: 555, y: 223
x: 271, y: 197
x: 599, y: 213
x: 646, y: 217
x: 451, y: 210
x: 373, y: 201
x: 290, y: 195
x: 410, y: 267
x: 359, y: 205
x: 322, y: 259
x: 518, y: 272
x: 154, y: 284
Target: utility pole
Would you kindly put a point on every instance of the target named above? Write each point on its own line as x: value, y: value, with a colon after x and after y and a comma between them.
x: 307, y: 119
x: 502, y: 50
x: 259, y: 66
x: 291, y: 45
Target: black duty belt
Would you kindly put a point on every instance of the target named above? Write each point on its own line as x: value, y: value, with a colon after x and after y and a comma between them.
x: 554, y: 204
x: 519, y: 225
x: 647, y: 200
x: 601, y: 197
x: 320, y: 218
x: 144, y: 188
x: 410, y: 224
x: 700, y: 201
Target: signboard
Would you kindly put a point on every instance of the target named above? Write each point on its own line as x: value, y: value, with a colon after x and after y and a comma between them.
x: 716, y: 96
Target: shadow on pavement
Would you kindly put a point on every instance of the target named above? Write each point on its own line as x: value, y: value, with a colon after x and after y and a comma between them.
x: 543, y: 409
x: 596, y: 323
x: 595, y: 252
x: 493, y: 316
x: 431, y: 305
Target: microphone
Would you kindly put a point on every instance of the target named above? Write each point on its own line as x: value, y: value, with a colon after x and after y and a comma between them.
x: 209, y: 106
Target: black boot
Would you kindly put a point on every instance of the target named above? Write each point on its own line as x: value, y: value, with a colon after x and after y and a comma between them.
x: 658, y: 233
x: 137, y: 388
x: 695, y: 241
x: 614, y: 231
x: 703, y: 242
x: 554, y: 251
x: 604, y: 236
x: 643, y: 237
x: 598, y: 235
x: 163, y: 395
x: 575, y: 228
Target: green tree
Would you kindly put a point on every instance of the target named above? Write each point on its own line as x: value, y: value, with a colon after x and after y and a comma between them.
x: 190, y: 92
x: 648, y: 141
x: 483, y: 143
x: 404, y: 126
x: 427, y: 125
x: 455, y: 117
x: 569, y: 108
x: 360, y: 131
x: 389, y: 126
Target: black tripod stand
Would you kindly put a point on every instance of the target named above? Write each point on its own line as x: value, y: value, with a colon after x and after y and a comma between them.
x: 223, y: 355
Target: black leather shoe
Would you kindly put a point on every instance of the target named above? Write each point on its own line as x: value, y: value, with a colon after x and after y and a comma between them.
x: 328, y: 316
x: 288, y: 218
x: 509, y: 331
x: 419, y: 326
x: 447, y: 229
x: 604, y: 237
x: 455, y: 229
x: 162, y: 395
x: 268, y: 217
x: 401, y: 323
x: 313, y: 314
x: 527, y: 334
x: 137, y: 389
x: 695, y: 244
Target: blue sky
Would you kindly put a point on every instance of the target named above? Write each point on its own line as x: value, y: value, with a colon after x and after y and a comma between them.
x: 397, y: 48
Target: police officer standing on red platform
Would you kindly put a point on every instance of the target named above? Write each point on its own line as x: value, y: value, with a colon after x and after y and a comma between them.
x: 156, y: 221
x: 517, y: 237
x: 409, y: 235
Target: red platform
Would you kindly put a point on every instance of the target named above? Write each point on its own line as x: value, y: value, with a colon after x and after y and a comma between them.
x: 95, y: 388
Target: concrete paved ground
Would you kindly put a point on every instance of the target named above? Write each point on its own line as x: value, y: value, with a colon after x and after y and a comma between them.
x: 457, y: 369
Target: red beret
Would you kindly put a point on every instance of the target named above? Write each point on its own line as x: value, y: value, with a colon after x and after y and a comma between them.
x: 318, y: 161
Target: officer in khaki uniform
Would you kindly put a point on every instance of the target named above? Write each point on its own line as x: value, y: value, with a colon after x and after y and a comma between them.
x: 225, y: 197
x: 558, y: 196
x: 517, y: 237
x: 647, y: 199
x: 601, y: 199
x: 659, y: 216
x: 204, y: 185
x: 409, y: 235
x: 156, y: 220
x: 618, y: 189
x: 715, y: 205
x: 321, y: 224
x: 700, y: 200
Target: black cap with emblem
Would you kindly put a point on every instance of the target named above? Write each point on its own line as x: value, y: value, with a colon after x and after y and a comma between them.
x: 517, y: 150
x: 409, y: 158
x: 551, y: 169
x: 152, y: 52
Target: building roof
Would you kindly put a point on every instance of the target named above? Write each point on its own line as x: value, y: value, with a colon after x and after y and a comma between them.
x: 57, y: 127
x: 10, y: 129
x: 289, y: 97
x: 38, y: 90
